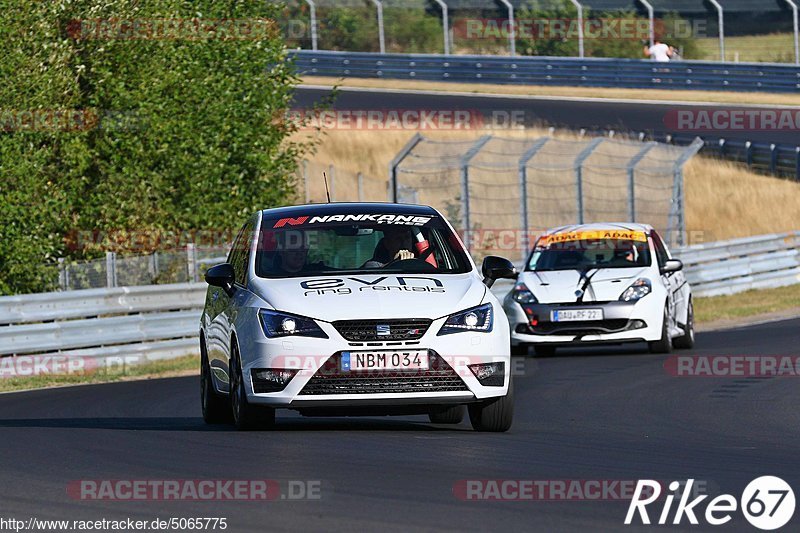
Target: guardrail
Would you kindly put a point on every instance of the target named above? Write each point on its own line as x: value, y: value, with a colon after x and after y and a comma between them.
x: 585, y: 72
x: 161, y: 321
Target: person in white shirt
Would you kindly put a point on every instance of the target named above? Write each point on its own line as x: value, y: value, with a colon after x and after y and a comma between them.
x: 659, y: 52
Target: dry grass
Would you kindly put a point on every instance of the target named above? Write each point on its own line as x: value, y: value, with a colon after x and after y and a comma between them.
x: 723, y: 200
x: 739, y: 98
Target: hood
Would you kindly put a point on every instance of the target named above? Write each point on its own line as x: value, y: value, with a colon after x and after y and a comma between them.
x: 559, y: 286
x: 365, y: 296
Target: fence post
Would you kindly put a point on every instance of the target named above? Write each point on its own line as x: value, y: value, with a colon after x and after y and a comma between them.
x: 632, y: 179
x: 678, y: 200
x: 381, y: 39
x: 721, y: 20
x: 312, y: 10
x: 360, y: 178
x: 465, y: 159
x: 512, y: 34
x: 796, y: 28
x: 579, y: 7
x: 401, y: 155
x: 523, y: 190
x: 445, y: 26
x: 578, y: 166
x: 62, y: 274
x: 191, y: 262
x: 111, y: 269
x: 305, y: 181
x: 797, y: 162
x: 332, y: 181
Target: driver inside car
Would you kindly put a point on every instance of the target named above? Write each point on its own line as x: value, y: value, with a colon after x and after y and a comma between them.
x: 394, y: 246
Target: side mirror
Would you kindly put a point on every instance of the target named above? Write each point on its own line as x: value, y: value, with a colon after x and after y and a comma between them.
x: 495, y: 268
x: 221, y: 276
x: 673, y: 265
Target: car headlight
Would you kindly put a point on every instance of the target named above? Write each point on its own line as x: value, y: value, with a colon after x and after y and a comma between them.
x: 479, y: 318
x: 277, y: 324
x: 522, y: 294
x: 638, y: 290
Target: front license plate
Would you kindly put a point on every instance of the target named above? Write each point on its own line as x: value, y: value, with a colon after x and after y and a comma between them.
x: 575, y: 315
x: 394, y: 360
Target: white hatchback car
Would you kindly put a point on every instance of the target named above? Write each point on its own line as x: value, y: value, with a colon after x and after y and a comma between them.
x: 600, y: 283
x: 353, y: 309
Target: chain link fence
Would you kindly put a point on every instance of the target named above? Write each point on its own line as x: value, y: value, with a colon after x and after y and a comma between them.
x: 495, y: 184
x: 173, y: 266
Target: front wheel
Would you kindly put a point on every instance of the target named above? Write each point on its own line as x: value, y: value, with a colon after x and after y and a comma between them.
x: 664, y: 344
x: 216, y: 410
x: 245, y: 415
x: 686, y: 341
x: 495, y: 414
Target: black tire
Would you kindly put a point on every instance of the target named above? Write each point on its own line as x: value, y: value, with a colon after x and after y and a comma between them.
x: 450, y: 415
x: 543, y: 350
x: 245, y: 415
x: 495, y: 414
x: 686, y: 341
x: 519, y: 349
x: 216, y: 409
x: 664, y: 344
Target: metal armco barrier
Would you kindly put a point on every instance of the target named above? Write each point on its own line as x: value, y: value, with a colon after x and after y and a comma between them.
x: 586, y: 72
x: 162, y: 321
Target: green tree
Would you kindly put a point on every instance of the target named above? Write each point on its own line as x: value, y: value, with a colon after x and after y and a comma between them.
x: 184, y: 131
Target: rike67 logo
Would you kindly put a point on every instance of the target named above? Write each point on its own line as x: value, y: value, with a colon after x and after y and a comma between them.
x: 767, y: 503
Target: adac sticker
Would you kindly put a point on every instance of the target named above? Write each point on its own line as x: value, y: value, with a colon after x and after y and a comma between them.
x: 593, y: 235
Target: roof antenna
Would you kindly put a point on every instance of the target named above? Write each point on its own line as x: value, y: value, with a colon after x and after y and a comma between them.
x: 327, y: 191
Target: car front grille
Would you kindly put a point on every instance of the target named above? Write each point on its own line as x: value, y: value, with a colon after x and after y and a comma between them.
x: 394, y: 329
x: 330, y: 379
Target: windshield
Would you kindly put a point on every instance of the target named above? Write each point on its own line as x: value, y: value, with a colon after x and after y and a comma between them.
x: 319, y: 246
x: 561, y: 252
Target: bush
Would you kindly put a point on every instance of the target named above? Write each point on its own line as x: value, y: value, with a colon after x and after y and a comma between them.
x: 178, y: 134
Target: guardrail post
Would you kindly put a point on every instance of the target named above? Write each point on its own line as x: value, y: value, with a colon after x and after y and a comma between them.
x: 111, y: 269
x: 632, y: 179
x: 748, y: 153
x: 773, y: 158
x: 191, y: 262
x: 578, y: 166
x: 445, y: 26
x: 523, y: 189
x: 797, y: 162
x: 415, y: 140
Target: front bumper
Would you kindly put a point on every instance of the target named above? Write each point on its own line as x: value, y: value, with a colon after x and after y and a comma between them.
x: 622, y: 322
x: 316, y: 362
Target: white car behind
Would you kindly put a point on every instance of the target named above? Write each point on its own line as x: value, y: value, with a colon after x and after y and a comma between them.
x: 607, y: 283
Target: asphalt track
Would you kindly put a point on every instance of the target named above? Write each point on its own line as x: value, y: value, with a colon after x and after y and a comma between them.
x: 609, y: 414
x: 633, y: 116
